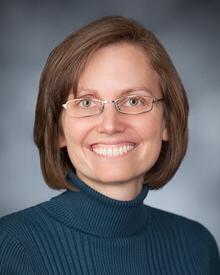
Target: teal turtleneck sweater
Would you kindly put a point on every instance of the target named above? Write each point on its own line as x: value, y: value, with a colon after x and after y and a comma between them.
x: 85, y: 232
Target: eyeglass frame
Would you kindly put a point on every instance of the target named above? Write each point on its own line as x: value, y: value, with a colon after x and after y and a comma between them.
x: 103, y: 102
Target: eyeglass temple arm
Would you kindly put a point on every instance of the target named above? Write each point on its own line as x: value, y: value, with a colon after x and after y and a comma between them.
x: 158, y: 99
x: 64, y: 105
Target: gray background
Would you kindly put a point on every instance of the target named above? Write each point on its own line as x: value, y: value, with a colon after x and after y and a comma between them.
x: 190, y: 32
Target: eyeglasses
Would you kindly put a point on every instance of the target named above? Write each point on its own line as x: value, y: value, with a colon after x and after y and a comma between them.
x: 131, y: 105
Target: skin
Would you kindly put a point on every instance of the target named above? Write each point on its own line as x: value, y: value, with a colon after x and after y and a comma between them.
x: 109, y: 72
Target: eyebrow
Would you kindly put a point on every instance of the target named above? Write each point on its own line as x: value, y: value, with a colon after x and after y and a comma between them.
x: 95, y: 93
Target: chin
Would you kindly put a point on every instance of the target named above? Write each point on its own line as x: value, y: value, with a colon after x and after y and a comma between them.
x: 111, y: 178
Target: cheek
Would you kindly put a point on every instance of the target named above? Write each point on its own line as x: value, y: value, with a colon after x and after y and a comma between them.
x: 151, y: 135
x: 72, y: 136
x: 75, y: 133
x: 73, y: 140
x: 151, y: 129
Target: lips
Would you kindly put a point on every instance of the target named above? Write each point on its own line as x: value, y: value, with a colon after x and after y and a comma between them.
x: 112, y: 150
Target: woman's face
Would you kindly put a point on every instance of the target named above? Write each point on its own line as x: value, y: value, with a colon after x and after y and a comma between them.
x: 110, y: 71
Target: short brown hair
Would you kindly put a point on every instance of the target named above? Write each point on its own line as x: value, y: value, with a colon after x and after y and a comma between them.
x: 61, y: 74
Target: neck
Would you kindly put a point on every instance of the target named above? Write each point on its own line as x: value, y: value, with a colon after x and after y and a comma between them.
x: 94, y: 213
x: 124, y: 191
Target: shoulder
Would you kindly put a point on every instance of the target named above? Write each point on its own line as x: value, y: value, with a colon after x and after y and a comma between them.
x: 178, y: 222
x: 20, y: 220
x: 22, y: 236
x: 24, y: 223
x: 15, y: 231
x: 188, y: 235
x: 190, y: 228
x: 21, y: 226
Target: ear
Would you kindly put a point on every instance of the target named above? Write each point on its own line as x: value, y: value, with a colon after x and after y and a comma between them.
x: 165, y: 134
x: 61, y: 138
x: 62, y: 141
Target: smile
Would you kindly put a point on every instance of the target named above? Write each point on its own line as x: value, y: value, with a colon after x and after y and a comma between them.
x: 112, y: 150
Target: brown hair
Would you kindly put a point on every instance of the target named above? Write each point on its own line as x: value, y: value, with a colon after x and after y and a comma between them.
x: 61, y: 74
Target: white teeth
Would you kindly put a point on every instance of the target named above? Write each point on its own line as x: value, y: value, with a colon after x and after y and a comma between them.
x: 113, y: 151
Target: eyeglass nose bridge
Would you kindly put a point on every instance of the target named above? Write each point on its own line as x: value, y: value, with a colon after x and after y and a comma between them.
x: 109, y: 101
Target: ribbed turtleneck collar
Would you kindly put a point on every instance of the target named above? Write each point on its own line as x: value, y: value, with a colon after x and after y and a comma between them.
x: 94, y: 213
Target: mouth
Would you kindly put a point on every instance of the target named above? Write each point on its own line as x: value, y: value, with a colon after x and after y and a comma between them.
x: 112, y: 150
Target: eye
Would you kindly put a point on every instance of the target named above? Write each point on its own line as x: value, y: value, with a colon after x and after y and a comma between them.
x: 134, y: 101
x: 85, y: 102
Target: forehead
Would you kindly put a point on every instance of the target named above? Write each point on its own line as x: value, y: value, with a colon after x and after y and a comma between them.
x: 117, y: 68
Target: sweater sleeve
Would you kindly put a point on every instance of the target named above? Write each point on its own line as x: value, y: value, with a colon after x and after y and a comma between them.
x: 205, y: 251
x: 13, y: 257
x: 214, y: 258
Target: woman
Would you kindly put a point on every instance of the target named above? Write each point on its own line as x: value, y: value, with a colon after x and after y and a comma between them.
x: 111, y: 123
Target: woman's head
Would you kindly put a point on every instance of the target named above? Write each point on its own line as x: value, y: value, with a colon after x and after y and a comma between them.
x: 69, y: 68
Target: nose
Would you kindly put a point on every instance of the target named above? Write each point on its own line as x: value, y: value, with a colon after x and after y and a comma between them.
x: 111, y: 121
